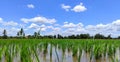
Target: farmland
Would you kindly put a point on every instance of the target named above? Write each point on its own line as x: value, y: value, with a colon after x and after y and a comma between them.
x: 59, y: 50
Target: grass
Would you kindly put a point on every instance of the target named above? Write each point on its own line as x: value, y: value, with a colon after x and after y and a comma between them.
x: 26, y: 49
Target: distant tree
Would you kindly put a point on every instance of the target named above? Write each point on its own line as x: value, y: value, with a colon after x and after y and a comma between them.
x: 54, y: 36
x: 21, y: 33
x: 50, y: 36
x: 77, y: 36
x: 35, y: 34
x: 118, y: 37
x: 4, y: 34
x: 38, y: 34
x: 109, y: 37
x: 24, y: 35
x: 59, y: 36
x: 84, y: 36
x: 18, y: 34
x: 65, y: 37
x: 30, y: 37
x: 99, y: 36
x: 72, y: 37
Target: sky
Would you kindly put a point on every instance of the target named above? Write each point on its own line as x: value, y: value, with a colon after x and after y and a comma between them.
x: 65, y: 17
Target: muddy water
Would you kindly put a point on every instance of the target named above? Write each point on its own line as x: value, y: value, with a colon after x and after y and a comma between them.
x: 55, y: 54
x: 60, y: 56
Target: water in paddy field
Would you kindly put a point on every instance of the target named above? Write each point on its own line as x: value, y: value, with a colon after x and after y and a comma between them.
x: 59, y: 56
x: 56, y: 54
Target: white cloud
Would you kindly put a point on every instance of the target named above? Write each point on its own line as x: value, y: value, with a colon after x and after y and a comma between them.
x: 66, y: 7
x: 42, y: 28
x: 105, y: 29
x: 65, y: 22
x: 72, y: 25
x: 54, y: 28
x: 10, y: 23
x: 65, y: 29
x: 117, y: 22
x: 1, y: 20
x: 38, y: 27
x: 101, y: 26
x: 79, y: 8
x: 30, y: 6
x: 33, y: 25
x: 39, y: 20
x: 10, y: 31
x: 112, y: 28
x: 90, y: 27
x: 69, y: 25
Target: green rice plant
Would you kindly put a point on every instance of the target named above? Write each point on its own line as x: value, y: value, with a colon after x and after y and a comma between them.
x: 25, y: 54
x: 51, y: 47
x: 57, y: 54
x: 80, y: 53
x: 25, y: 47
x: 36, y: 55
x: 74, y: 50
x: 2, y: 50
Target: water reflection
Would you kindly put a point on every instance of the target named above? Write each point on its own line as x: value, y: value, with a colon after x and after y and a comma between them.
x: 66, y: 56
x: 51, y: 53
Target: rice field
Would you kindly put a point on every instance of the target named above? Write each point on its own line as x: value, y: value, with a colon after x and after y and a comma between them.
x: 59, y: 50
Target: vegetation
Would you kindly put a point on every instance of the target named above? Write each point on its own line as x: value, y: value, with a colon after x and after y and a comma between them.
x: 38, y: 36
x: 26, y: 49
x: 23, y: 48
x: 21, y: 34
x: 4, y: 34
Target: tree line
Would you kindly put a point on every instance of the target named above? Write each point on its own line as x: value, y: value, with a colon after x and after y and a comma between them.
x: 21, y: 35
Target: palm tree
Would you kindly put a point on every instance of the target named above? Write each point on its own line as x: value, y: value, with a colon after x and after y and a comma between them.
x: 4, y: 34
x: 35, y: 34
x: 18, y: 34
x: 21, y: 33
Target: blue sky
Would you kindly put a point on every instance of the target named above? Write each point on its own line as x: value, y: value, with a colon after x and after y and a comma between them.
x: 65, y: 17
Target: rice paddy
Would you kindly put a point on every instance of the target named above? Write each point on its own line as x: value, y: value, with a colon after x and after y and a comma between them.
x: 59, y: 50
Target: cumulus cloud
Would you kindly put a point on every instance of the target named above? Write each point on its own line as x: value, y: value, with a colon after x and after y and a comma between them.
x: 10, y: 31
x: 97, y: 27
x: 67, y: 28
x: 69, y: 25
x: 33, y: 25
x: 54, y: 28
x: 110, y: 28
x: 30, y: 6
x: 39, y: 20
x: 105, y: 29
x: 1, y: 20
x: 66, y: 7
x: 38, y: 27
x: 10, y: 23
x: 117, y: 22
x: 72, y: 25
x: 79, y: 8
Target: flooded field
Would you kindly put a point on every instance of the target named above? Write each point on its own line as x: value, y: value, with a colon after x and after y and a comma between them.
x: 59, y: 50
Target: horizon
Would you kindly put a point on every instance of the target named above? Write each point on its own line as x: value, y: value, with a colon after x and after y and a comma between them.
x: 60, y: 17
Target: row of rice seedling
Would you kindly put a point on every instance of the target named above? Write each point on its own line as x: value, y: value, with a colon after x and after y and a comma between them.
x: 28, y: 50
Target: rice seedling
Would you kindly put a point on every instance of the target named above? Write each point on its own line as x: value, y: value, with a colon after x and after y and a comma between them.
x: 25, y: 49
